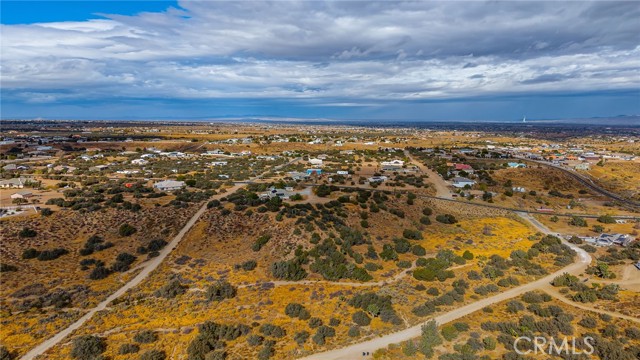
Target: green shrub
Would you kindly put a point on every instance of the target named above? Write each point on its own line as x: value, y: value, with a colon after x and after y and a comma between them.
x: 27, y: 233
x: 126, y: 230
x: 88, y: 347
x: 361, y: 318
x: 153, y: 355
x: 220, y: 291
x: 145, y: 337
x: 446, y: 219
x: 128, y: 349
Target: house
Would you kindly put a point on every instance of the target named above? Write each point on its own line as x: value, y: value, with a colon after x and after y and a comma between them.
x: 98, y: 168
x: 518, y: 189
x: 139, y: 162
x: 463, y: 167
x: 609, y: 239
x: 10, y: 167
x: 64, y: 168
x: 461, y: 182
x: 583, y: 166
x: 397, y: 163
x: 284, y: 194
x: 314, y: 171
x: 342, y: 172
x: 515, y: 165
x: 219, y: 163
x: 296, y: 175
x: 127, y: 172
x: 24, y: 194
x: 377, y: 179
x: 169, y: 185
x: 223, y: 176
x: 315, y: 162
x: 15, y: 183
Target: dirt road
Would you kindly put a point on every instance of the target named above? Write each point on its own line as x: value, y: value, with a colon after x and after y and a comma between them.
x: 355, y: 351
x: 438, y: 182
x: 147, y: 269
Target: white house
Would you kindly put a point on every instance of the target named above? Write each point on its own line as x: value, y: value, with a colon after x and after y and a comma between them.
x: 169, y: 185
x: 139, y: 162
x: 342, y: 172
x: 127, y: 172
x: 398, y: 163
x: 461, y: 182
x: 377, y: 179
x: 219, y: 163
x: 16, y: 183
x: 315, y: 161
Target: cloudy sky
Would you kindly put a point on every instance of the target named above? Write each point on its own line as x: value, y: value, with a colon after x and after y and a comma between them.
x: 312, y: 59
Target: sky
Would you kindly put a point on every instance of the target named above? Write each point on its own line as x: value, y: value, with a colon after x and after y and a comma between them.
x: 377, y: 60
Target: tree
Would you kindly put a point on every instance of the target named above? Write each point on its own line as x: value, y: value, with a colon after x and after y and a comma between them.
x: 607, y: 219
x: 88, y: 347
x: 220, y: 291
x: 27, y: 233
x: 429, y: 339
x: 145, y: 337
x: 126, y: 230
x: 46, y: 212
x: 153, y: 355
x: 446, y: 219
x: 578, y: 221
x: 361, y: 318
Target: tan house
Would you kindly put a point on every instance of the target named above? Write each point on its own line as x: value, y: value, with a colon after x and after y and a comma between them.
x: 24, y: 194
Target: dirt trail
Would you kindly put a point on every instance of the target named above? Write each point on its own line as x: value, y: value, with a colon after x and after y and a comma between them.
x: 438, y: 183
x: 355, y: 351
x: 147, y: 269
x: 549, y: 289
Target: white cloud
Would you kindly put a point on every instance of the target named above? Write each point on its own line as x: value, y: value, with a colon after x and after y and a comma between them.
x: 353, y: 50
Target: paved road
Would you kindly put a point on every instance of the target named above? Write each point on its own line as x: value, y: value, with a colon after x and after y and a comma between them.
x: 147, y: 269
x: 465, y: 202
x: 355, y: 351
x: 590, y: 184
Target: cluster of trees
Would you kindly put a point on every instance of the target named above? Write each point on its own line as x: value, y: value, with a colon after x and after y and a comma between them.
x: 288, y: 270
x: 121, y: 264
x: 261, y: 241
x: 295, y: 310
x: 221, y: 290
x: 153, y: 248
x: 446, y: 219
x: 211, y: 340
x: 436, y: 268
x: 93, y: 244
x: 88, y: 347
x: 584, y: 293
x: 447, y: 299
x: 172, y: 289
x: 376, y: 306
x: 44, y: 255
